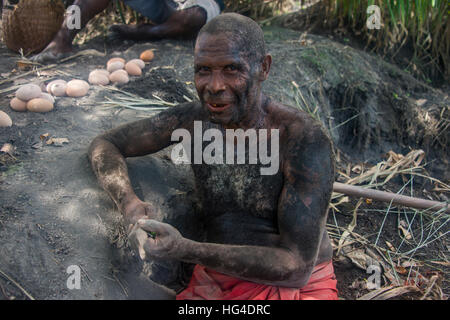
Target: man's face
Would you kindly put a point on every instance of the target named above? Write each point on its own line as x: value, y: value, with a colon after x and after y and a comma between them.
x: 226, y: 84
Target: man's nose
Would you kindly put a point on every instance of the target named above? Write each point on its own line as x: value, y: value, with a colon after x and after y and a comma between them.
x: 216, y: 84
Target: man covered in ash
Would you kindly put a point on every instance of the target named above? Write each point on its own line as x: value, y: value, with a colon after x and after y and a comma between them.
x: 172, y: 19
x: 265, y: 235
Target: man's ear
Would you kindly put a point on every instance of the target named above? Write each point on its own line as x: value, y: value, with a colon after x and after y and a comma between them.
x: 265, y: 67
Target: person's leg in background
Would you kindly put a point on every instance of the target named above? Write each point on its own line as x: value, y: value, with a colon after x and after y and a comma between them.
x: 62, y: 43
x: 183, y: 23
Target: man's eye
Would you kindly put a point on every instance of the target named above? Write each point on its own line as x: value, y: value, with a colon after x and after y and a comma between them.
x: 230, y: 68
x: 203, y: 69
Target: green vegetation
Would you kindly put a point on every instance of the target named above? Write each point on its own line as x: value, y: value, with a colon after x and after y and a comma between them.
x: 422, y: 25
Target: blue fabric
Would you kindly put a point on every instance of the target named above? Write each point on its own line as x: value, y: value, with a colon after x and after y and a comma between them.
x: 221, y: 4
x: 155, y: 10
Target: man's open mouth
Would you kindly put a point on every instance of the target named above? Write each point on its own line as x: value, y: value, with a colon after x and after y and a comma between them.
x: 217, y: 107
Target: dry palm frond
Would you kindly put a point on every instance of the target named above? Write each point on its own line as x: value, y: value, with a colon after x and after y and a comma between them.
x: 128, y: 100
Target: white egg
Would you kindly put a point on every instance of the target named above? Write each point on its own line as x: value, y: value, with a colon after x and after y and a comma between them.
x: 28, y: 92
x: 119, y: 76
x: 5, y: 120
x: 116, y: 65
x: 77, y: 88
x: 51, y: 83
x: 139, y: 62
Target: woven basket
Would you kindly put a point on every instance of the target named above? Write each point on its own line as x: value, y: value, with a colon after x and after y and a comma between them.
x: 32, y: 24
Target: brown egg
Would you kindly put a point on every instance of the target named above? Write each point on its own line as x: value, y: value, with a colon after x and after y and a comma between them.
x: 133, y: 69
x: 28, y: 92
x: 5, y: 120
x: 115, y: 59
x: 58, y: 89
x: 139, y: 62
x: 147, y: 55
x: 97, y: 77
x: 47, y: 96
x: 18, y: 105
x: 77, y: 88
x: 51, y: 83
x: 119, y: 76
x: 39, y: 105
x: 116, y: 65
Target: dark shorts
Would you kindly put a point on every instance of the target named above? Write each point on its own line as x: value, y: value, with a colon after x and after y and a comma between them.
x: 156, y: 10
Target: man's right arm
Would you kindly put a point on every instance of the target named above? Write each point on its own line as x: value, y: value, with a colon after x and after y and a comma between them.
x: 108, y: 151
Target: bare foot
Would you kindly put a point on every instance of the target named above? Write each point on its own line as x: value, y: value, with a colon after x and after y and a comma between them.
x: 52, y: 53
x: 134, y: 32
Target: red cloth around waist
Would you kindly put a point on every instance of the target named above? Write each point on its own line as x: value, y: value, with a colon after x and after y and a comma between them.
x: 207, y: 284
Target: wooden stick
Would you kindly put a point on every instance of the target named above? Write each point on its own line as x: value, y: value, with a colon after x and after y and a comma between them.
x: 16, y: 284
x: 388, y: 197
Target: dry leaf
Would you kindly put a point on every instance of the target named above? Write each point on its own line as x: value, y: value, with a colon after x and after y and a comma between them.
x: 357, y: 169
x: 401, y: 270
x: 405, y: 233
x: 388, y: 293
x: 361, y: 259
x: 44, y: 136
x: 57, y: 141
x: 7, y: 148
x: 421, y: 102
x: 390, y: 246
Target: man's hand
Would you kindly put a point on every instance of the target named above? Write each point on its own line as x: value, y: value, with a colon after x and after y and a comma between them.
x: 136, y: 209
x: 165, y: 241
x: 132, y: 212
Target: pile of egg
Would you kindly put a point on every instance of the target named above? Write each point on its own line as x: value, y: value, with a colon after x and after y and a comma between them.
x: 118, y: 69
x: 30, y: 97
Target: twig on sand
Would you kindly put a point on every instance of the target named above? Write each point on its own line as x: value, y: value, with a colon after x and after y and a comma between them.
x: 388, y: 292
x: 4, y: 292
x: 125, y: 291
x: 91, y: 52
x: 388, y: 197
x: 17, y: 285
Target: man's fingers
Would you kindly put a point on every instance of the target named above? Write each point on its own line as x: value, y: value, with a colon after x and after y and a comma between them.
x: 149, y: 245
x: 138, y: 238
x: 151, y: 225
x: 141, y: 236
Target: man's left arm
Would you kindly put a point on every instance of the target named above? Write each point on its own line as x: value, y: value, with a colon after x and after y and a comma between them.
x: 308, y: 171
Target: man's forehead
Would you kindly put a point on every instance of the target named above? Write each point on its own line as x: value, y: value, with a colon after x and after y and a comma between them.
x: 220, y: 44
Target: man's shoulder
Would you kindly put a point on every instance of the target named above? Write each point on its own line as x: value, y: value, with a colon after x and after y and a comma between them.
x: 184, y: 112
x: 296, y: 123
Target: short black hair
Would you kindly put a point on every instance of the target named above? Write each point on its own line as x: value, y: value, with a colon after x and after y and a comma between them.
x: 243, y: 31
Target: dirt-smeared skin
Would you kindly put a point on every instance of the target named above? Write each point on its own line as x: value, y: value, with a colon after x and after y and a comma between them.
x: 107, y: 153
x: 267, y: 229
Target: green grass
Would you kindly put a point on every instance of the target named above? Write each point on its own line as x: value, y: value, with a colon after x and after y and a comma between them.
x: 423, y: 24
x: 420, y: 24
